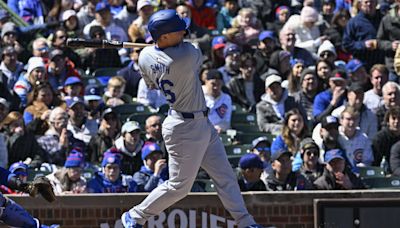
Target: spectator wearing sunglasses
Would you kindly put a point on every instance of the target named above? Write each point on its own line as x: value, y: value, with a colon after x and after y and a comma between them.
x: 311, y: 167
x: 19, y: 169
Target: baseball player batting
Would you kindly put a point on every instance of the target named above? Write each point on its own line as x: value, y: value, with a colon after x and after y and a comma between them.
x: 172, y: 65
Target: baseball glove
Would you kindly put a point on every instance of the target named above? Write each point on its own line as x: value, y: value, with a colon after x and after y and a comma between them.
x: 42, y: 186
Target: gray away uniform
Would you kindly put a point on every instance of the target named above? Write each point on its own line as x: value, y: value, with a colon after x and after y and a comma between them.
x: 190, y: 138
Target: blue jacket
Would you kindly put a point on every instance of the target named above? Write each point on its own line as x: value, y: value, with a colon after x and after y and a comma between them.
x: 4, y: 175
x: 322, y: 102
x: 147, y: 181
x: 100, y: 184
x: 359, y: 29
x: 279, y: 144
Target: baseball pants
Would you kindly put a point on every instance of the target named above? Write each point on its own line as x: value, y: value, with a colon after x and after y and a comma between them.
x: 191, y: 144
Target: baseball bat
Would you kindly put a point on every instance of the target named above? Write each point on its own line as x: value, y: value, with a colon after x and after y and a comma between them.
x: 83, y: 43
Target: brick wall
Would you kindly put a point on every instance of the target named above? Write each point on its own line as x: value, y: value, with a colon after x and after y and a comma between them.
x: 285, y: 210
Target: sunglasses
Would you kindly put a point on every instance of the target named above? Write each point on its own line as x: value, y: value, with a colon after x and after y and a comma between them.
x: 312, y: 152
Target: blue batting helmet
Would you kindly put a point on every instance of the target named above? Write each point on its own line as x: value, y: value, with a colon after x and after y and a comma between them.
x: 166, y: 21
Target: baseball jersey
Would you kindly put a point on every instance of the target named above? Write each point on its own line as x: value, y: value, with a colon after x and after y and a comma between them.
x: 164, y: 67
x: 220, y: 110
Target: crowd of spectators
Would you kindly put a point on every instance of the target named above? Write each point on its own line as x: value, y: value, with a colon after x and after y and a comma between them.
x: 320, y: 77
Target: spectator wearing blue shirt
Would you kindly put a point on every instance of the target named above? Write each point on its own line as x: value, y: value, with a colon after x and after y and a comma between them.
x: 110, y: 179
x: 154, y: 170
x: 329, y: 99
x: 360, y: 35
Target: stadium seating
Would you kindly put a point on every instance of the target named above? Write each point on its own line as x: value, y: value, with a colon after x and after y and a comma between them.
x: 371, y: 172
x: 127, y: 110
x: 382, y: 182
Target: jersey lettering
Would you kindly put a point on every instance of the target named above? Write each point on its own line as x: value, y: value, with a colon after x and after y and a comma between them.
x: 159, y: 68
x: 165, y: 86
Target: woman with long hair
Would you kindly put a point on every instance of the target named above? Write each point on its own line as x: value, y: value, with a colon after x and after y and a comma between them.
x: 293, y: 131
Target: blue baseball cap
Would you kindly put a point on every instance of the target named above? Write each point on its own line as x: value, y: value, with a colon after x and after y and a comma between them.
x: 150, y: 148
x: 102, y: 6
x: 74, y: 159
x: 19, y: 168
x: 266, y: 34
x: 92, y: 92
x: 72, y: 80
x: 73, y: 101
x: 353, y: 65
x: 231, y: 49
x: 332, y: 154
x: 218, y: 42
x: 248, y: 161
x: 111, y: 156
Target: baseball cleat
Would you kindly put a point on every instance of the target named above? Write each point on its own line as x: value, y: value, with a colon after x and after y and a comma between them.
x: 128, y: 221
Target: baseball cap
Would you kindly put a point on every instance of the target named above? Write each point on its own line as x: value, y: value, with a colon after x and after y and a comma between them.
x: 4, y: 102
x: 214, y: 74
x: 266, y: 34
x: 248, y: 161
x: 18, y: 165
x: 92, y: 93
x: 111, y: 156
x: 332, y: 154
x: 231, y: 49
x: 256, y: 141
x: 130, y: 126
x: 272, y: 79
x: 102, y: 6
x: 73, y: 101
x: 218, y: 42
x: 353, y: 65
x: 142, y: 3
x: 55, y: 53
x: 150, y: 148
x: 279, y: 153
x: 74, y: 159
x: 109, y: 111
x: 307, y: 143
x: 329, y: 121
x: 355, y: 87
x: 72, y: 80
x: 67, y: 14
x: 338, y: 75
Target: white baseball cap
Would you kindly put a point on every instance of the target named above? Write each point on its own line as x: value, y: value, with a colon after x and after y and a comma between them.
x: 142, y: 3
x: 67, y: 14
x: 272, y: 79
x: 33, y: 63
x: 130, y: 126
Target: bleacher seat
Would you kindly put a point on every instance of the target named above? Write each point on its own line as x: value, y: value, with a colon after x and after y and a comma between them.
x: 382, y: 182
x: 237, y: 149
x: 245, y: 128
x: 245, y: 118
x: 234, y: 160
x: 127, y: 110
x: 140, y: 117
x: 247, y: 138
x: 371, y: 172
x: 226, y: 139
x: 207, y: 185
x: 236, y: 108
